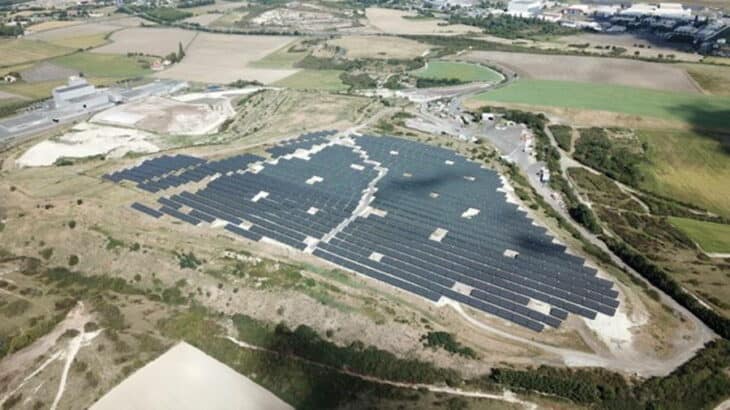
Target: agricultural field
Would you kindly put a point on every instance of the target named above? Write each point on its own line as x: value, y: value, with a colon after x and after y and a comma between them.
x: 137, y: 40
x: 105, y: 65
x: 34, y: 91
x: 222, y: 59
x: 77, y: 35
x: 15, y: 52
x: 630, y: 42
x: 714, y: 79
x: 690, y: 167
x: 380, y: 47
x: 693, y: 110
x: 594, y: 70
x: 463, y: 72
x: 285, y: 57
x: 398, y: 22
x: 328, y: 80
x: 710, y: 236
x: 203, y: 20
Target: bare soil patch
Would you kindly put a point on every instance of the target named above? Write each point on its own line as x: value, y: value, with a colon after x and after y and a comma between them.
x: 153, y: 41
x: 599, y: 70
x: 46, y: 71
x: 163, y: 115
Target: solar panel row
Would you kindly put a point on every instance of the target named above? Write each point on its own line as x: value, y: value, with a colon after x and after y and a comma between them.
x: 425, y: 190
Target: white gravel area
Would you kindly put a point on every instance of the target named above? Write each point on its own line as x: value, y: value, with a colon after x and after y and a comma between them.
x: 86, y: 140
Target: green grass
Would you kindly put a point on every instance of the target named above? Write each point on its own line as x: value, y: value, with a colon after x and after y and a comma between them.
x: 689, y: 167
x: 701, y: 111
x: 105, y: 65
x: 328, y: 80
x: 711, y: 236
x: 280, y: 58
x: 460, y: 71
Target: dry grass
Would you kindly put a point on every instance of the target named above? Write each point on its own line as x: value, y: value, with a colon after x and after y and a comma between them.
x: 714, y: 79
x: 16, y: 52
x: 221, y: 59
x: 139, y: 40
x: 598, y: 70
x: 690, y: 167
x: 393, y: 22
x: 380, y: 47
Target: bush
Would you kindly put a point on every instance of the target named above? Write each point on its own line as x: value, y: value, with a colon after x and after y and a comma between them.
x: 563, y: 136
x: 73, y: 260
x: 447, y: 342
x: 46, y: 253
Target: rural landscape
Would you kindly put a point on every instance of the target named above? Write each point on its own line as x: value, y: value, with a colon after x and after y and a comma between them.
x: 364, y: 204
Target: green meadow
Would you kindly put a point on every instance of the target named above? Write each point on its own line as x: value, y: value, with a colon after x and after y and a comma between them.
x: 702, y: 111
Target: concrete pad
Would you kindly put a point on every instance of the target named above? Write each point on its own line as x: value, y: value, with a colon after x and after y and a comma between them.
x: 510, y: 253
x: 313, y: 180
x: 261, y: 194
x: 376, y: 256
x: 438, y: 235
x: 469, y: 213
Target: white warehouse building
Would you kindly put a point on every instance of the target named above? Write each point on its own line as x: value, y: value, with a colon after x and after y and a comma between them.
x: 525, y: 8
x: 79, y: 94
x: 664, y: 10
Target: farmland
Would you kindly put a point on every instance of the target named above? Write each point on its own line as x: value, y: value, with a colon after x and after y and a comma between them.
x: 594, y: 70
x: 707, y: 112
x: 221, y: 59
x: 380, y: 47
x: 397, y: 22
x: 105, y: 65
x: 714, y: 79
x: 461, y: 71
x: 328, y: 80
x: 137, y: 40
x: 710, y: 236
x: 16, y: 52
x: 688, y: 166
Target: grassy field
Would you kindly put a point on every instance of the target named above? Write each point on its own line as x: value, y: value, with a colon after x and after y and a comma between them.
x: 711, y: 236
x: 461, y: 71
x: 690, y: 167
x: 714, y: 79
x: 698, y: 110
x: 105, y: 65
x: 328, y: 80
x: 281, y: 58
x: 31, y: 90
x: 81, y: 42
x: 15, y: 52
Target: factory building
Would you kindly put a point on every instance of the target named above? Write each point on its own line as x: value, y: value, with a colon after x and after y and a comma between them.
x: 525, y: 8
x: 79, y: 94
x: 663, y: 10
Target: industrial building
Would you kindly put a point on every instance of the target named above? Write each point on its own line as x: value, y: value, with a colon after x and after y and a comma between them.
x: 525, y: 8
x: 79, y: 94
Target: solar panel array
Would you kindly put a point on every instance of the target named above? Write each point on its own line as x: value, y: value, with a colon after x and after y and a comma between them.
x: 165, y: 172
x: 304, y: 141
x: 418, y: 217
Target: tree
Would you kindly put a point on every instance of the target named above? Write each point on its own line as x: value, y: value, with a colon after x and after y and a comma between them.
x: 180, y: 51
